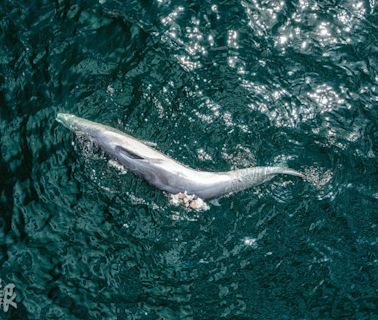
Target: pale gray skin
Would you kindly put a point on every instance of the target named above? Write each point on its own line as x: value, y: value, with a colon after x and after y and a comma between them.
x: 164, y: 172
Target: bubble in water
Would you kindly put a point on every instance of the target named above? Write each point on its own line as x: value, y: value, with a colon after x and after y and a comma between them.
x: 317, y: 178
x: 116, y: 165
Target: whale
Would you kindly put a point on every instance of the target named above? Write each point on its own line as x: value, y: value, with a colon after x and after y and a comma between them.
x: 164, y: 172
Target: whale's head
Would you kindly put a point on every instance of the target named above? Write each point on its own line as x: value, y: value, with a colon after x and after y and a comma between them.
x: 80, y: 125
x: 109, y: 139
x: 83, y: 128
x: 68, y: 120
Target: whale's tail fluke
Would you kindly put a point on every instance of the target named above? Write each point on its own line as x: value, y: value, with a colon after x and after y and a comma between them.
x: 250, y: 177
x: 288, y: 171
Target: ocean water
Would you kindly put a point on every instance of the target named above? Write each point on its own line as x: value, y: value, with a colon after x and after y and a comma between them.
x: 217, y: 85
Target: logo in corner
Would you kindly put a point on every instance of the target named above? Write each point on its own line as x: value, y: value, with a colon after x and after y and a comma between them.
x: 7, y: 296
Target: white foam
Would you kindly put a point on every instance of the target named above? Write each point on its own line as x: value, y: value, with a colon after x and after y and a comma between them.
x: 188, y: 201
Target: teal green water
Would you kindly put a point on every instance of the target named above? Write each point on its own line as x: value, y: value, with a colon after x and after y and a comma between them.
x: 218, y: 85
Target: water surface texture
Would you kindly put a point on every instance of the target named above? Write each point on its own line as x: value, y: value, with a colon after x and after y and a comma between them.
x: 217, y: 85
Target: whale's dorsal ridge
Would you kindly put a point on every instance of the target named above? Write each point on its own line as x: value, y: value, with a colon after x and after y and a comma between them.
x: 131, y: 155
